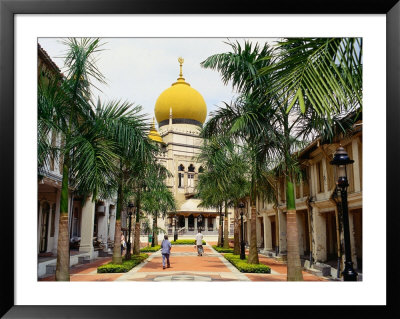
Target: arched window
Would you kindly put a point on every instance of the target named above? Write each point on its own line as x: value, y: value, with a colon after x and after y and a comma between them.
x: 181, y: 168
x: 191, y: 176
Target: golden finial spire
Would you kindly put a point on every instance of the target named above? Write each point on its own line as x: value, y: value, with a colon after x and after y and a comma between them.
x: 180, y: 60
x: 181, y: 79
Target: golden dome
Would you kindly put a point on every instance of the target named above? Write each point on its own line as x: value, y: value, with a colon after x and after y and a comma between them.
x: 154, y: 135
x: 184, y: 101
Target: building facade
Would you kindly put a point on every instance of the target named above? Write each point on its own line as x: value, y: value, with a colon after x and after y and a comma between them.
x: 318, y: 216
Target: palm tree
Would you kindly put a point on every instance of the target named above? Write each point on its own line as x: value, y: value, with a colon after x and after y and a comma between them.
x: 157, y: 198
x: 326, y: 72
x: 271, y: 125
x: 88, y: 156
x: 144, y: 180
x: 127, y: 128
x: 249, y: 124
x: 224, y: 181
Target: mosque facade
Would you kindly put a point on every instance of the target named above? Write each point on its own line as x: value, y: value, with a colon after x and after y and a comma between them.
x: 180, y: 111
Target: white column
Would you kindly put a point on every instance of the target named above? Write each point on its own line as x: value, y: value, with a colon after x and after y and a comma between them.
x: 195, y: 223
x: 319, y: 235
x: 206, y: 223
x: 248, y: 230
x: 214, y: 221
x: 356, y: 166
x: 267, y: 233
x: 185, y: 179
x: 87, y: 226
x: 111, y: 231
x: 325, y: 174
x: 39, y: 226
x: 50, y: 241
x: 57, y: 219
x: 300, y: 229
x: 258, y: 232
x: 186, y: 223
x: 282, y: 231
x: 314, y: 180
x: 102, y: 226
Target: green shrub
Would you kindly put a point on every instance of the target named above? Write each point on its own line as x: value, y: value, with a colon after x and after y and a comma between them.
x: 150, y: 249
x: 222, y: 249
x: 124, y: 267
x: 243, y: 266
x: 185, y: 242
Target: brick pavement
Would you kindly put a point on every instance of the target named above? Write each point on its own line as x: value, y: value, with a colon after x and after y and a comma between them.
x: 185, y: 266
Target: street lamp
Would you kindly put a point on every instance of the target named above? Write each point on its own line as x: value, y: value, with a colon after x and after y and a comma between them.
x: 242, y: 246
x: 128, y: 245
x: 340, y: 160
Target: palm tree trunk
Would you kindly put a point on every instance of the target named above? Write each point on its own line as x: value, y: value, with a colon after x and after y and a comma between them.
x: 136, y: 246
x: 226, y: 230
x: 253, y: 254
x: 117, y: 258
x: 62, y: 267
x: 136, y: 243
x: 236, y: 234
x: 220, y: 228
x: 293, y: 256
x: 155, y: 233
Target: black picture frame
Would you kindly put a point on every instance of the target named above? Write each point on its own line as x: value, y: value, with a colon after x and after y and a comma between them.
x: 8, y: 10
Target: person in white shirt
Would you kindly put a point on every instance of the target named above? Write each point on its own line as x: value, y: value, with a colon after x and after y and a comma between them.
x: 199, y: 243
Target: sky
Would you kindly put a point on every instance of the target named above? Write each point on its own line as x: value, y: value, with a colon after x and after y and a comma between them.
x: 140, y: 69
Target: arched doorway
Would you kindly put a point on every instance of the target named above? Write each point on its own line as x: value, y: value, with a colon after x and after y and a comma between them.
x: 191, y: 223
x: 44, y: 226
x: 181, y: 221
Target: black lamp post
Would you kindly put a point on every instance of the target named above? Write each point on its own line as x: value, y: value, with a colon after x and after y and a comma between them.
x: 242, y: 245
x: 175, y: 230
x: 340, y: 160
x: 128, y: 245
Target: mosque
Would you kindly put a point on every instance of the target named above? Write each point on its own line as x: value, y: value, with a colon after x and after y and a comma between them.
x: 180, y: 111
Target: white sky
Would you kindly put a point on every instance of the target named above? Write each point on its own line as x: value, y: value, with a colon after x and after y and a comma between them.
x: 139, y: 69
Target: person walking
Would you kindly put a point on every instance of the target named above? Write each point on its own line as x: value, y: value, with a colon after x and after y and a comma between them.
x: 165, y: 251
x: 123, y: 243
x: 199, y: 243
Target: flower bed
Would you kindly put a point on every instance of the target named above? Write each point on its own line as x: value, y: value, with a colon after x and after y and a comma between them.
x: 149, y: 249
x: 243, y: 266
x: 124, y: 267
x: 185, y: 242
x: 222, y: 249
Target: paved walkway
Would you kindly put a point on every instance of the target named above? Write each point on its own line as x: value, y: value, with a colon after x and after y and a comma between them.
x: 185, y: 266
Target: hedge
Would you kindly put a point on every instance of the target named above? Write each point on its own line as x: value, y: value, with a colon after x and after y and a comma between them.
x: 222, y: 249
x: 124, y: 267
x: 243, y: 266
x: 150, y: 249
x: 185, y: 242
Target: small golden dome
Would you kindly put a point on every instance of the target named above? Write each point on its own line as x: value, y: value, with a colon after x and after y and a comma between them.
x: 185, y: 102
x: 154, y: 135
